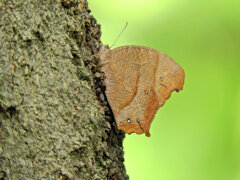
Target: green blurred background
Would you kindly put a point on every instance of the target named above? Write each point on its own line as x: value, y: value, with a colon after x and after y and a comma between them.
x: 196, y: 135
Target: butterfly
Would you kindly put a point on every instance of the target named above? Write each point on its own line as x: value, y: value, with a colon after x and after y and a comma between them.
x: 138, y: 82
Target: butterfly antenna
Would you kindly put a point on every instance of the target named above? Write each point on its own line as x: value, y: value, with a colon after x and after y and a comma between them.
x: 119, y: 35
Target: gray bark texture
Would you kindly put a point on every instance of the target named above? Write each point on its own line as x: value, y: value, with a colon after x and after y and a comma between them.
x: 55, y: 122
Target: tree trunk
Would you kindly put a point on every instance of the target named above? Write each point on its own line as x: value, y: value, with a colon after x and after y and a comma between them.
x: 55, y: 122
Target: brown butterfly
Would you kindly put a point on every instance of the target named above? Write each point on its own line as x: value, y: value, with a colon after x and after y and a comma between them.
x: 138, y: 82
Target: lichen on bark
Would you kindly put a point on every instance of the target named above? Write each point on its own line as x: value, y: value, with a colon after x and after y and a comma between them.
x: 54, y: 119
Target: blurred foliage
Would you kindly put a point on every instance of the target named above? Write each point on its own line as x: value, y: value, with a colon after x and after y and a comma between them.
x: 196, y: 135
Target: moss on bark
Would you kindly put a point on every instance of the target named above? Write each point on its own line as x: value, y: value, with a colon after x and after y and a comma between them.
x: 54, y: 119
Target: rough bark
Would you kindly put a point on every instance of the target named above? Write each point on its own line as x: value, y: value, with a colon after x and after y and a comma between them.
x: 54, y: 120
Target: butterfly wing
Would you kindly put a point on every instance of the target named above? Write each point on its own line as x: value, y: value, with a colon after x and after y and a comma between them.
x: 138, y: 82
